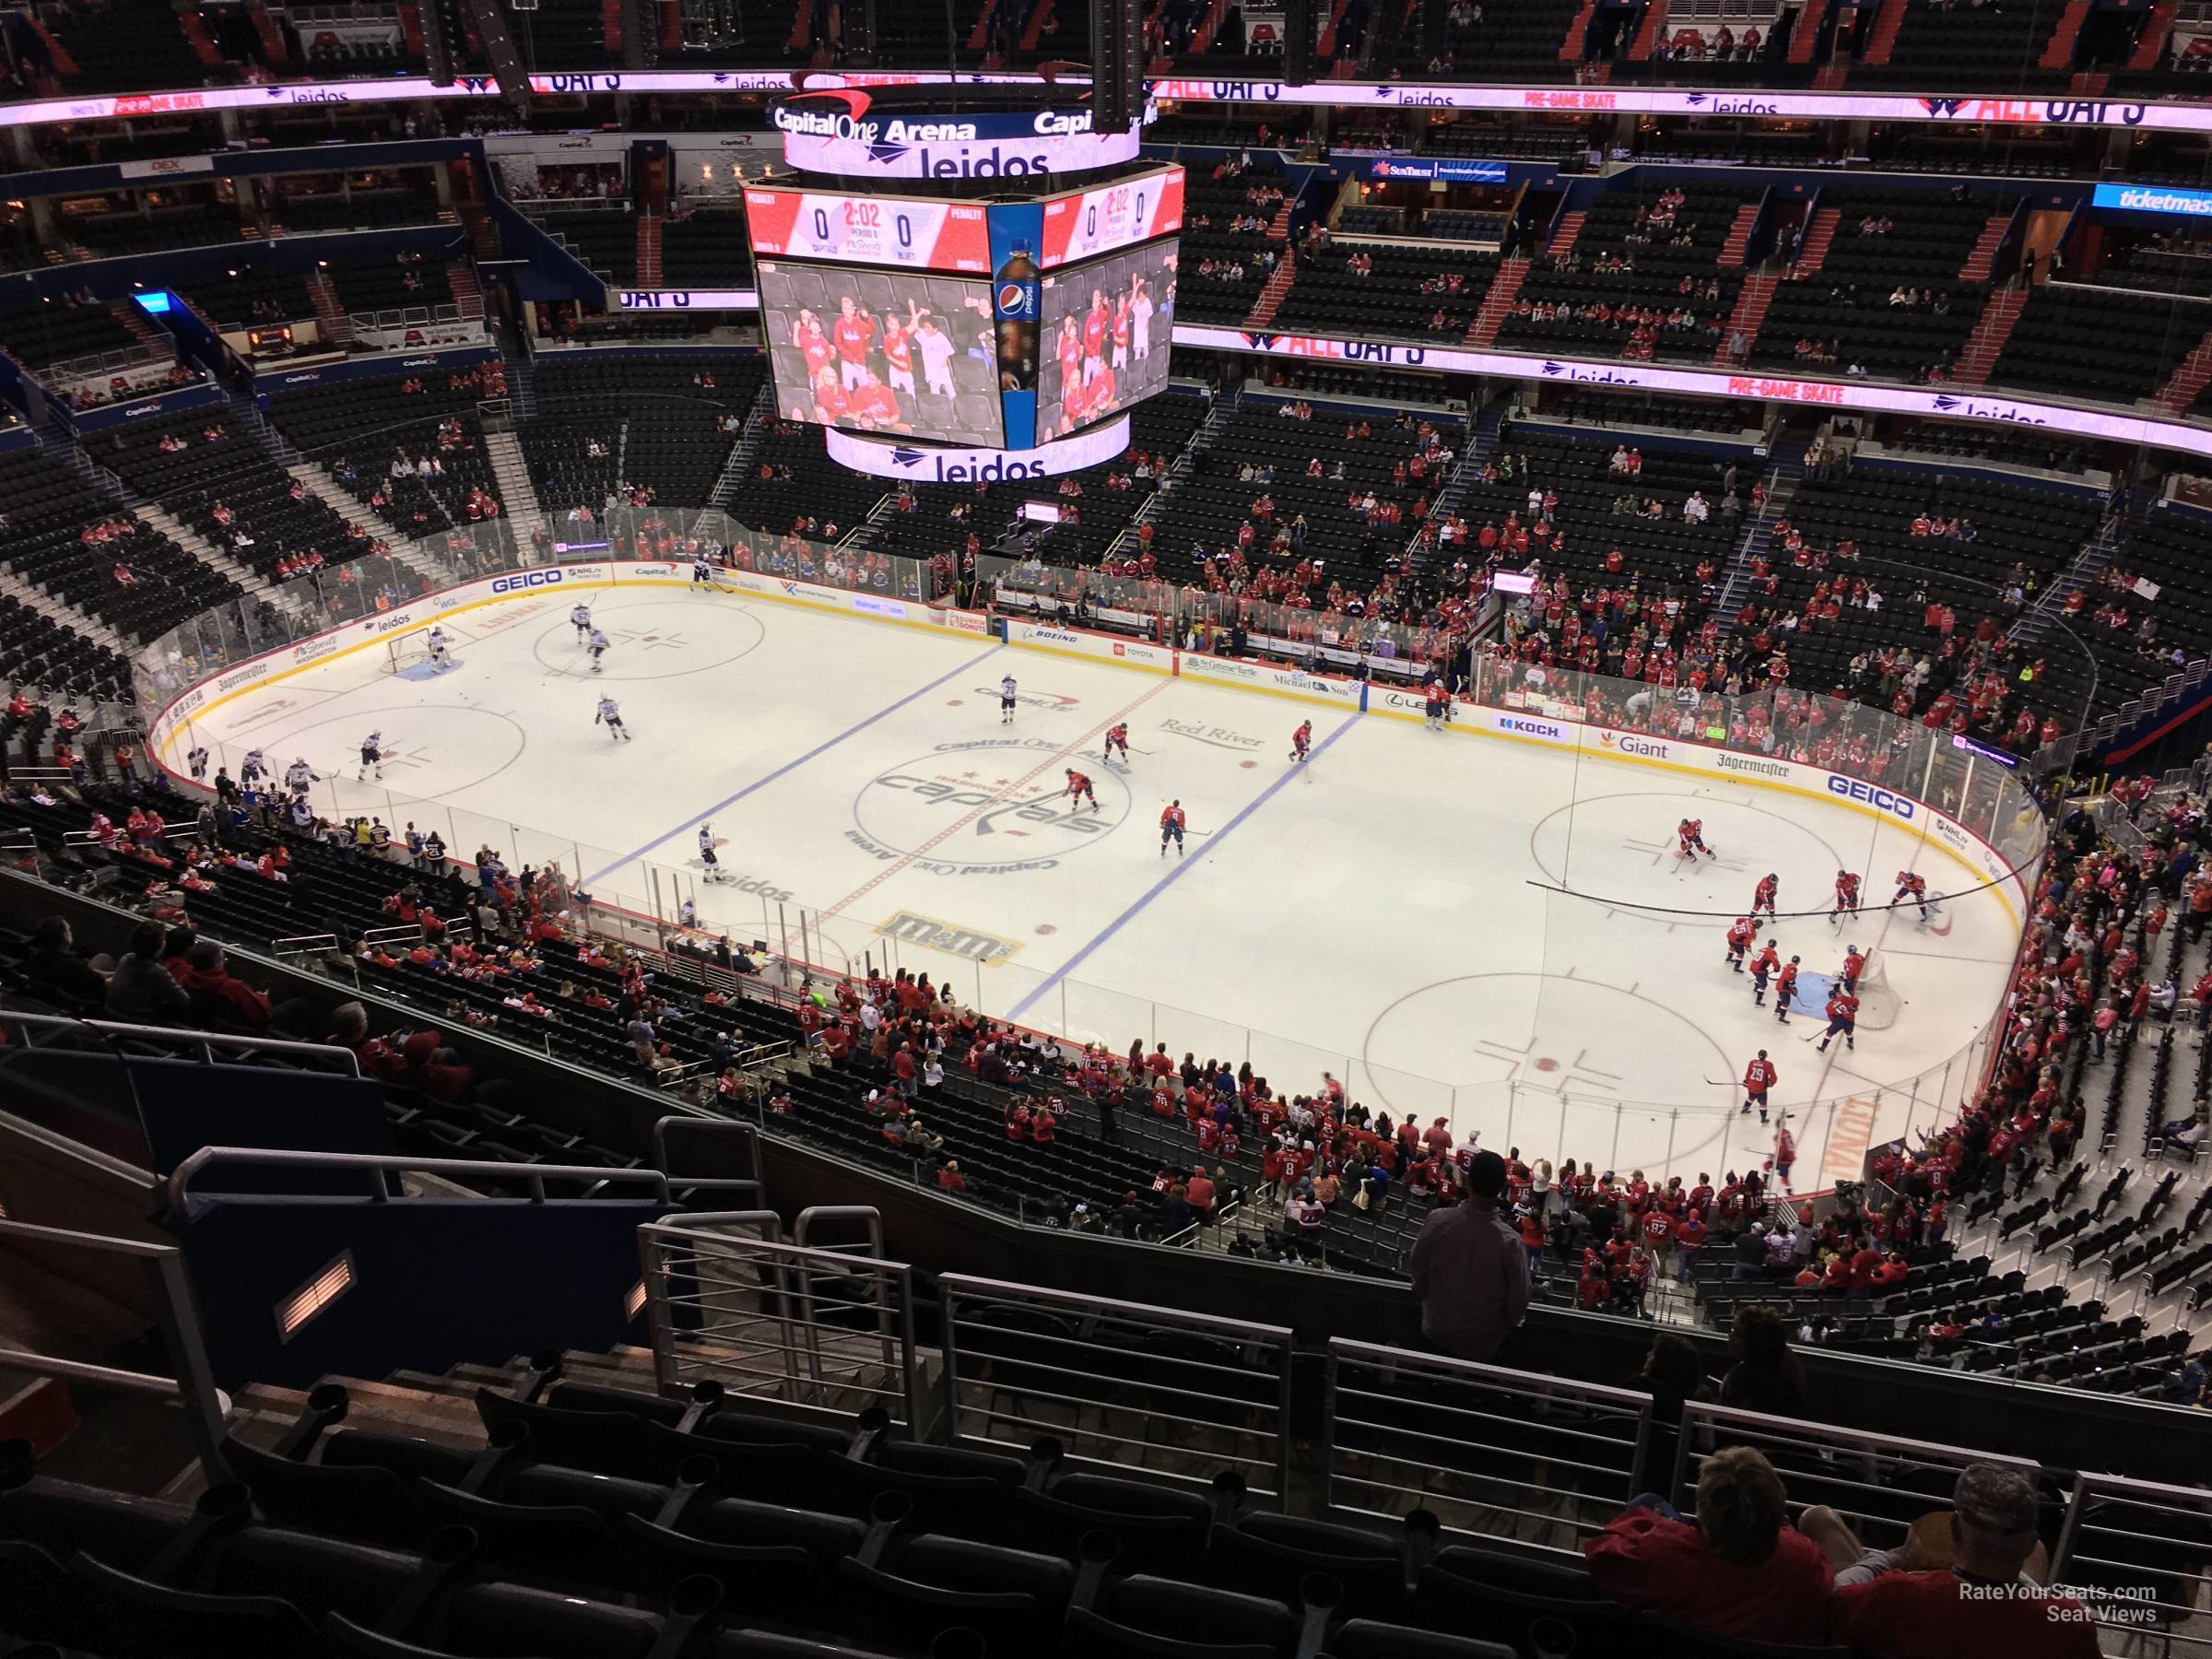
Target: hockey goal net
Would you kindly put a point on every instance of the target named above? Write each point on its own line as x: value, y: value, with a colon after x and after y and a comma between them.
x: 412, y: 649
x: 1878, y: 1004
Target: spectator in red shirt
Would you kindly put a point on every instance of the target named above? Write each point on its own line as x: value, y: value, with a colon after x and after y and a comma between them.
x: 1989, y: 1601
x: 1740, y: 1570
x: 949, y: 1179
x: 1199, y: 1192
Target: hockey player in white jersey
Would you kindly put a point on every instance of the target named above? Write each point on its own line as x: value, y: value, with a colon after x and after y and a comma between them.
x: 581, y: 615
x: 441, y: 653
x: 372, y: 756
x: 1006, y: 701
x: 197, y: 761
x: 708, y: 841
x: 252, y: 769
x: 702, y: 574
x: 686, y: 913
x: 598, y: 644
x: 300, y: 776
x: 610, y: 717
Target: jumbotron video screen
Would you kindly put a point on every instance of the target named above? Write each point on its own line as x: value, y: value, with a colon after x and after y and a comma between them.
x: 1104, y: 338
x: 884, y: 351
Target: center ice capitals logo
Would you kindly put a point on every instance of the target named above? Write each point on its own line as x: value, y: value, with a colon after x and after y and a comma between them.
x: 988, y: 807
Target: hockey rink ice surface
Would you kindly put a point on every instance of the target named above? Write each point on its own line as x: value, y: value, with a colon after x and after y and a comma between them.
x: 1371, y: 913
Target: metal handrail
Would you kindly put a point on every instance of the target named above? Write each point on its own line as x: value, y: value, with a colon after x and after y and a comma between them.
x: 379, y: 1167
x: 178, y: 1314
x: 795, y: 1284
x: 206, y: 1041
x: 1175, y: 1406
x: 1832, y: 1445
x: 1526, y: 1417
x: 2136, y: 1609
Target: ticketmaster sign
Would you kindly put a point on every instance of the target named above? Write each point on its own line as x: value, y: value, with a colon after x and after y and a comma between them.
x: 2155, y: 199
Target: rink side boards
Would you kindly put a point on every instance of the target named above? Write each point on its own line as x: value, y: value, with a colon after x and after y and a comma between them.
x: 1982, y: 861
x: 548, y: 582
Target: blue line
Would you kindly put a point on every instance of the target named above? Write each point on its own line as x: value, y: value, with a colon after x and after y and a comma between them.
x: 759, y: 784
x: 1175, y: 874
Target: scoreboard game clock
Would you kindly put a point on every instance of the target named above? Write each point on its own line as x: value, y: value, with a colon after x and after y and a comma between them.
x: 979, y: 271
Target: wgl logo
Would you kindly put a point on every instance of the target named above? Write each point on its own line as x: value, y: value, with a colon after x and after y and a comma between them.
x: 528, y: 579
x: 1882, y: 800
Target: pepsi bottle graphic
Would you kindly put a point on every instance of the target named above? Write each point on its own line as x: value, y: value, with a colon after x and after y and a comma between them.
x: 1016, y: 305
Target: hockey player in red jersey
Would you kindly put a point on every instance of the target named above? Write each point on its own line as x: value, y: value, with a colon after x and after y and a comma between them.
x: 1855, y: 964
x: 1740, y: 936
x: 1785, y: 1154
x: 1842, y: 1018
x: 1080, y: 790
x: 1847, y: 896
x: 1691, y: 833
x: 1764, y: 897
x: 1785, y: 988
x: 1912, y: 886
x: 1762, y: 970
x: 1758, y: 1077
x: 1171, y: 827
x: 1301, y: 741
x: 1117, y: 737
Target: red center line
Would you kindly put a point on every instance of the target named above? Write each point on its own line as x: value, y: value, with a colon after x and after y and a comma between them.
x: 946, y: 834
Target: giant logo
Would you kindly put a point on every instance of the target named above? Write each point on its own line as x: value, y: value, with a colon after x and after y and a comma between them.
x: 986, y: 807
x: 1628, y: 743
x: 1874, y: 795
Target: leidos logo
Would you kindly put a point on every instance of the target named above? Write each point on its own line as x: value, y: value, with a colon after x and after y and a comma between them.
x: 986, y: 807
x: 1881, y: 800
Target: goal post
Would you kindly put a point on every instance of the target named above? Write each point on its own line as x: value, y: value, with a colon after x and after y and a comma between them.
x: 404, y: 650
x: 1878, y: 1004
x: 412, y: 648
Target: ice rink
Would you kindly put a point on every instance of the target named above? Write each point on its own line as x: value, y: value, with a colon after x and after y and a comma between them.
x: 1384, y: 911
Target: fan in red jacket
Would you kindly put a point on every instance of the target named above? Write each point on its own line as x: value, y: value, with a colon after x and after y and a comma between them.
x: 1740, y: 1570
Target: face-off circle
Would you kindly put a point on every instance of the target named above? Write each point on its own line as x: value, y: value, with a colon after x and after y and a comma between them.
x: 991, y: 806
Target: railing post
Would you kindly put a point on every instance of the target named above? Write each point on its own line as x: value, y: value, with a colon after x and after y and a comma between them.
x: 179, y: 1315
x: 660, y: 1323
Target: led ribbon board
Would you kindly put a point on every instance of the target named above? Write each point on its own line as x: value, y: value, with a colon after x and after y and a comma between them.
x: 835, y: 132
x: 1931, y: 401
x: 917, y: 465
x: 2180, y: 117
